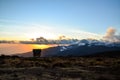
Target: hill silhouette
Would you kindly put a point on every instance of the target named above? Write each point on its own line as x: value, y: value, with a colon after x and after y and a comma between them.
x: 77, y: 51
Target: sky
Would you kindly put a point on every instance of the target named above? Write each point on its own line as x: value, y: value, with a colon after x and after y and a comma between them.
x: 26, y: 19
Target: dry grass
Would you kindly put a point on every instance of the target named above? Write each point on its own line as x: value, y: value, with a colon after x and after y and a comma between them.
x: 59, y: 68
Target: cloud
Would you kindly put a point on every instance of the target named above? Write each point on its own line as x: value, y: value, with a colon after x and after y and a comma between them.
x: 85, y: 35
x: 110, y: 32
x: 111, y: 36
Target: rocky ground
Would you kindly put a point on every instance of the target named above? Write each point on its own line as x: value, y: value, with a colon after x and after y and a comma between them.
x: 59, y: 68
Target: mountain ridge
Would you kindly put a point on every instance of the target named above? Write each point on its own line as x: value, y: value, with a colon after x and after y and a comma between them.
x: 81, y: 48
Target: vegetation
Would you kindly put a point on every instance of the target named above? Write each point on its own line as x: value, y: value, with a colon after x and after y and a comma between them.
x: 59, y: 68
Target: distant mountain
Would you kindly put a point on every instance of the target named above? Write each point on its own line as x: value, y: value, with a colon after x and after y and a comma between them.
x: 86, y: 50
x: 81, y: 48
x: 88, y: 47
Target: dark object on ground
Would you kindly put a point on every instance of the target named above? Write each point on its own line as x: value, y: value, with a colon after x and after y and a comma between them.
x: 36, y: 52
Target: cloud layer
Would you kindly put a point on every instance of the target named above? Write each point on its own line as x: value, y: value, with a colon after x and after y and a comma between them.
x: 111, y: 35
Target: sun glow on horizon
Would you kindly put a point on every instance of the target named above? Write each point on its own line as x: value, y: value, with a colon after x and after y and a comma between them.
x: 42, y: 46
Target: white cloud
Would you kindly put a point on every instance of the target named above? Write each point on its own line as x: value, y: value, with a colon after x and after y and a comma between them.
x: 111, y: 35
x: 83, y: 34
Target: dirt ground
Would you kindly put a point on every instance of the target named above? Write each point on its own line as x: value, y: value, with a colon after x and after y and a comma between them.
x: 77, y: 68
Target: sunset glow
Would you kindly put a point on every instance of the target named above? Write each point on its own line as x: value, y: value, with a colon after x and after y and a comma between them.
x: 21, y: 48
x: 41, y: 46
